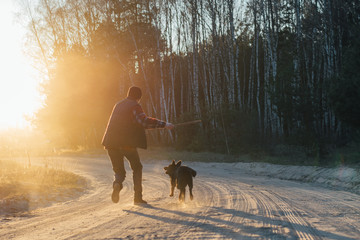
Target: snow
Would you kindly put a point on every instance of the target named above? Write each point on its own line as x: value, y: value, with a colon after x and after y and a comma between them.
x: 231, y: 201
x: 340, y: 177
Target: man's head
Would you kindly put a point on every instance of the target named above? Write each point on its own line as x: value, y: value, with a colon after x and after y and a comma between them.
x: 134, y: 93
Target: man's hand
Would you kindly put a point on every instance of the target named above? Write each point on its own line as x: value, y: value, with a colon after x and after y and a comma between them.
x: 169, y: 126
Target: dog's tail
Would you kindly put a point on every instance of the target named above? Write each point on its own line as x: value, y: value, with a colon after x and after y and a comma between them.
x: 193, y: 172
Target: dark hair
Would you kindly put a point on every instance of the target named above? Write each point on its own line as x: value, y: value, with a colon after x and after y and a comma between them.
x: 134, y: 93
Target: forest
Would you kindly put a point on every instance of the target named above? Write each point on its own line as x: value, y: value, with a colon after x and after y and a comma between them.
x: 260, y: 74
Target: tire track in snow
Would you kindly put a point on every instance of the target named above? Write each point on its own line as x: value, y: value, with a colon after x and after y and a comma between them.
x: 211, y: 195
x: 302, y: 228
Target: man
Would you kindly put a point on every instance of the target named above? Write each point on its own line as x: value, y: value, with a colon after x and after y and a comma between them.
x: 125, y: 133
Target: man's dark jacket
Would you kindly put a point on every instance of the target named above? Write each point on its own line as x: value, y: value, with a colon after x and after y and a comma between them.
x: 122, y: 129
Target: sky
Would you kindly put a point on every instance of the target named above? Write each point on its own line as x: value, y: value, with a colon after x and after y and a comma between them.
x: 19, y: 87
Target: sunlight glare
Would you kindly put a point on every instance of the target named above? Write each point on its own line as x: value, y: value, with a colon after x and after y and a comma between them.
x: 19, y: 95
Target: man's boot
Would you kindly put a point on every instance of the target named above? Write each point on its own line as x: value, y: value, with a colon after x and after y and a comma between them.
x: 137, y: 177
x: 138, y: 200
x: 116, y: 190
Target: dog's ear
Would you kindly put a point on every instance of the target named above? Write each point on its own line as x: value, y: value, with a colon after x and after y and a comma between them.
x: 173, y: 162
x: 178, y: 163
x: 165, y: 168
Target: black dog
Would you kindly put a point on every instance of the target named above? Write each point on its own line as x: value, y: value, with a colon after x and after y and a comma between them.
x: 180, y: 176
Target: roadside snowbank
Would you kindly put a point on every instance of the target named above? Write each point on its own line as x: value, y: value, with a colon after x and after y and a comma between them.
x: 339, y: 177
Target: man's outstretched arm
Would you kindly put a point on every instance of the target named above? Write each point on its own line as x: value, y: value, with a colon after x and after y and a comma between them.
x: 149, y: 122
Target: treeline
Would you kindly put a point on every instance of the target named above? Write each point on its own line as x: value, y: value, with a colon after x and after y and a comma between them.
x: 258, y: 73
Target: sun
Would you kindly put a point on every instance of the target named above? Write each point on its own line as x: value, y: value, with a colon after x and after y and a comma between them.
x: 19, y: 93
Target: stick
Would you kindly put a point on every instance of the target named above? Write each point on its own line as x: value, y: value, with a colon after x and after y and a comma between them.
x: 180, y: 124
x: 187, y: 123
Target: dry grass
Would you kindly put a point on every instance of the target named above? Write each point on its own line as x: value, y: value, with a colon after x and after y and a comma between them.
x: 26, y: 188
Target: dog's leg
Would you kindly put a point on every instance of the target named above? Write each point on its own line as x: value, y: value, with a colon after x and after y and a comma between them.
x: 191, y: 194
x: 182, y: 195
x: 190, y: 189
x: 172, y: 191
x: 173, y: 184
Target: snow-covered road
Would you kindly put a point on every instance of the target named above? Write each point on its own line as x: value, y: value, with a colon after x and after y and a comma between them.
x: 229, y: 203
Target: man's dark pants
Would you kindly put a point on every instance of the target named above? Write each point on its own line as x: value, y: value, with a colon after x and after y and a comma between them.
x: 117, y: 160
